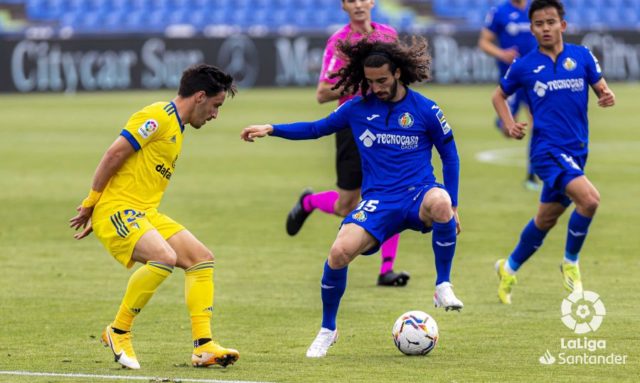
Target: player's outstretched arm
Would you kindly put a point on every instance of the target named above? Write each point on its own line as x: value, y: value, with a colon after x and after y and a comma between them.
x: 606, y: 98
x: 256, y: 131
x: 112, y: 160
x: 487, y: 43
x: 513, y: 129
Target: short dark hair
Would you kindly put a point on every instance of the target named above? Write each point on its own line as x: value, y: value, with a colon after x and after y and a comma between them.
x: 537, y: 5
x: 207, y: 78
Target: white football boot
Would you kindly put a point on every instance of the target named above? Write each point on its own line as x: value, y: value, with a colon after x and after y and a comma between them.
x: 444, y: 297
x: 321, y: 344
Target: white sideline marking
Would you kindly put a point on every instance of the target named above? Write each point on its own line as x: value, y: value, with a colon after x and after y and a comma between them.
x: 121, y: 377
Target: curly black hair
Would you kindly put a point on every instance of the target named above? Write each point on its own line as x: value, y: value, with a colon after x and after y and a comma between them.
x: 411, y: 55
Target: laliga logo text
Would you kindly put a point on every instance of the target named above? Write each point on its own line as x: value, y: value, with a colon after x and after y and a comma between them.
x: 582, y: 312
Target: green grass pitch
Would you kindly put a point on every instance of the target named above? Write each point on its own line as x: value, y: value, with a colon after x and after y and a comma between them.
x: 56, y: 294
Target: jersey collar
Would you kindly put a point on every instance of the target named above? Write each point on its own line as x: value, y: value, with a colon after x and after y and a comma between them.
x: 178, y: 117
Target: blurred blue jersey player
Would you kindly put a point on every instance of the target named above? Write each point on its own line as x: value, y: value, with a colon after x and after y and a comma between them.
x: 506, y: 36
x: 556, y: 79
x: 395, y: 129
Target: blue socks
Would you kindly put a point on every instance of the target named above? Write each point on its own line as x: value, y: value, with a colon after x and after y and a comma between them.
x: 578, y: 228
x: 443, y: 241
x: 530, y: 240
x: 334, y: 282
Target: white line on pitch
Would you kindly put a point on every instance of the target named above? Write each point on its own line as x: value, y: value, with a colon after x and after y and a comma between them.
x: 120, y: 377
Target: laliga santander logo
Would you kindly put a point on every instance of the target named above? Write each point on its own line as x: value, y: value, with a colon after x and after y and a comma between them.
x: 583, y: 311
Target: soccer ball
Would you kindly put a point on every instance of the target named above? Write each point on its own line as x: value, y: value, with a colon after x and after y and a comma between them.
x: 415, y: 333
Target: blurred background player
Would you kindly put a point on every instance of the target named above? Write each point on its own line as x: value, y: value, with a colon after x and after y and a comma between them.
x: 122, y: 210
x: 556, y: 78
x: 348, y: 164
x: 399, y: 189
x: 506, y: 36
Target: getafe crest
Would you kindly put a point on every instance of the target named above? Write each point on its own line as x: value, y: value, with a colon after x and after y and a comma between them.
x: 569, y: 64
x: 360, y: 216
x: 406, y: 120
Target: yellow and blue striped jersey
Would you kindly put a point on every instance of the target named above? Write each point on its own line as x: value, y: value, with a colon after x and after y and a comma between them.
x: 155, y: 132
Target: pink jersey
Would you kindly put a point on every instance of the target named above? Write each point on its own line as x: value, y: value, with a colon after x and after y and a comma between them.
x: 331, y: 62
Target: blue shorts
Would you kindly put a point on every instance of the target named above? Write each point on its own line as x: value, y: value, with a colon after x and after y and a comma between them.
x: 387, y: 215
x: 556, y: 168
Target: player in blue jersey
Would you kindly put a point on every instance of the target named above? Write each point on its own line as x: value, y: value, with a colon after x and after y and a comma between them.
x: 506, y: 36
x: 556, y: 79
x: 395, y: 129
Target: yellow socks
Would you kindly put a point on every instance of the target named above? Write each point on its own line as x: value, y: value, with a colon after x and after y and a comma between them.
x: 198, y: 291
x: 142, y: 284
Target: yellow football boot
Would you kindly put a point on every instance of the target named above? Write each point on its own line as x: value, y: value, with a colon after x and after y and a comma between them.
x: 506, y: 282
x: 212, y: 353
x: 571, y: 276
x: 121, y: 346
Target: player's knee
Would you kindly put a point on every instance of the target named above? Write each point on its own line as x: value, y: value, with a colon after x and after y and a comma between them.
x: 441, y: 210
x: 590, y: 204
x: 345, y: 205
x: 546, y: 222
x: 167, y: 256
x: 339, y: 256
x: 205, y: 255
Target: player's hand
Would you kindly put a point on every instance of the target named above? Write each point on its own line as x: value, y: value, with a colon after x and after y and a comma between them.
x: 607, y: 98
x: 455, y: 215
x: 508, y: 55
x: 82, y: 220
x: 516, y: 130
x: 255, y: 131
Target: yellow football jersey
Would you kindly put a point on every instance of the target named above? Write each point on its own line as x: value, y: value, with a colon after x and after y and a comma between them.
x: 155, y: 132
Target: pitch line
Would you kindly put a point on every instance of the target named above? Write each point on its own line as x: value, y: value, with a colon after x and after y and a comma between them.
x: 120, y: 377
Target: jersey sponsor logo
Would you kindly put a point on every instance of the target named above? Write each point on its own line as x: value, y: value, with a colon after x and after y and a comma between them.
x: 164, y: 171
x: 148, y: 128
x: 405, y: 142
x: 572, y: 84
x: 360, y: 216
x: 406, y: 120
x: 373, y: 117
x: 514, y: 28
x: 569, y: 64
x: 538, y: 69
x: 367, y: 138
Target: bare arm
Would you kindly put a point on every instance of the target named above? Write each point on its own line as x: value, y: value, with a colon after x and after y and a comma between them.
x: 606, y: 98
x: 512, y: 128
x: 324, y: 93
x: 111, y: 161
x: 487, y: 43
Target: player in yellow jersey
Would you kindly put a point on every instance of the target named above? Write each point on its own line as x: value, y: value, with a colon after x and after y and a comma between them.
x: 121, y: 210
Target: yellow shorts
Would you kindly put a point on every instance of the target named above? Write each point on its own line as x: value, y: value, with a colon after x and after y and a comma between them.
x: 119, y: 229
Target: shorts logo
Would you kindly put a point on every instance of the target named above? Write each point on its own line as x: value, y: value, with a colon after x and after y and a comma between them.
x: 569, y: 64
x: 148, y: 128
x: 406, y: 120
x: 359, y: 216
x: 570, y: 161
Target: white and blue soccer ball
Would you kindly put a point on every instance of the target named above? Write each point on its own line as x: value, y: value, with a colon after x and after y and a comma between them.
x: 415, y: 333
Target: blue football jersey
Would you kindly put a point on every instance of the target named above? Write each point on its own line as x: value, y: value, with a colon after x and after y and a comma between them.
x: 511, y: 26
x: 558, y: 95
x: 395, y: 140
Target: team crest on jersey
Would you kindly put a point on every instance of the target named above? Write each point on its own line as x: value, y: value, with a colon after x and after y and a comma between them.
x: 360, y: 216
x: 406, y: 120
x: 569, y: 64
x: 148, y: 128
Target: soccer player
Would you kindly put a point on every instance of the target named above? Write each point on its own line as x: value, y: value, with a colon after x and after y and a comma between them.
x: 506, y: 36
x: 395, y: 129
x: 556, y: 79
x: 122, y: 211
x: 340, y: 202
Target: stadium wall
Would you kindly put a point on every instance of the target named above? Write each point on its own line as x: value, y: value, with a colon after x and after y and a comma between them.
x: 152, y: 62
